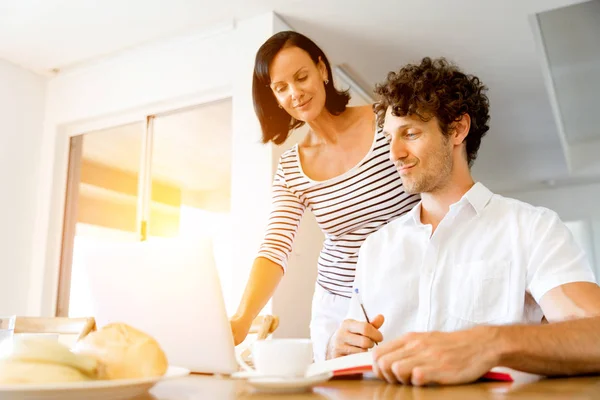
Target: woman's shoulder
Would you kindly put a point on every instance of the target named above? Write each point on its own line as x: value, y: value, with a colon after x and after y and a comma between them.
x: 289, y: 155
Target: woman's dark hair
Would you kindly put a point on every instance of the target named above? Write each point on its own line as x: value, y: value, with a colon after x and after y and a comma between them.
x: 435, y: 88
x: 275, y: 122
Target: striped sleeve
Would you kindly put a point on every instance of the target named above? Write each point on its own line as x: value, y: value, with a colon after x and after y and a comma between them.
x: 284, y: 220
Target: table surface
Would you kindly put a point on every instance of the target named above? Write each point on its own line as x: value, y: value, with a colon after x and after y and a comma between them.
x: 215, y: 387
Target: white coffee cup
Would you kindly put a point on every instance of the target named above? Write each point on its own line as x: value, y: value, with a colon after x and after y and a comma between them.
x: 282, y: 357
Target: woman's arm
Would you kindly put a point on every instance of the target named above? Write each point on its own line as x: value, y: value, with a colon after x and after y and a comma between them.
x: 269, y: 266
x: 264, y: 279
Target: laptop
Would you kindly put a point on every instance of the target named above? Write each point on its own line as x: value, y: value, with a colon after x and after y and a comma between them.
x: 170, y: 289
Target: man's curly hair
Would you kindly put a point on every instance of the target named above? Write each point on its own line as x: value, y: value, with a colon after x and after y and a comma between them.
x: 435, y: 88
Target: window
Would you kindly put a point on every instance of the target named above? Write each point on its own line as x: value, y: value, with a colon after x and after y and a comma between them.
x: 168, y: 176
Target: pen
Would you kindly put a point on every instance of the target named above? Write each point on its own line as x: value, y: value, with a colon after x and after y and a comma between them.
x: 361, y: 304
x: 362, y: 307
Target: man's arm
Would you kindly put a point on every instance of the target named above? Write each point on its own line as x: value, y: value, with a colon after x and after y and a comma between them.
x: 562, y: 282
x: 569, y: 347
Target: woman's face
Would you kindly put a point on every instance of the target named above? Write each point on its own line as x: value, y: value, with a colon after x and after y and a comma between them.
x: 298, y: 84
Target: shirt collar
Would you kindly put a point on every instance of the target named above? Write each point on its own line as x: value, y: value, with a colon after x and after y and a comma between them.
x: 414, y: 215
x: 478, y: 196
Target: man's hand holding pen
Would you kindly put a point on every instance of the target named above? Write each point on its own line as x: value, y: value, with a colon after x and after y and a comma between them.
x: 355, y: 337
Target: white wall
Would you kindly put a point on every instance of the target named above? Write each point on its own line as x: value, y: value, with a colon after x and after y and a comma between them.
x: 252, y: 166
x: 572, y: 203
x: 21, y: 112
x: 155, y: 78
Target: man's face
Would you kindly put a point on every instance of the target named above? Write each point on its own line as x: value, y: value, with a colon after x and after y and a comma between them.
x: 420, y: 151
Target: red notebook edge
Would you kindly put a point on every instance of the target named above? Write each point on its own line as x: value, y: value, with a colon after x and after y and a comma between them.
x: 352, y: 370
x: 498, y: 376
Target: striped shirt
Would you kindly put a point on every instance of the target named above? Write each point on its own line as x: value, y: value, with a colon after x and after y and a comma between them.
x: 347, y: 208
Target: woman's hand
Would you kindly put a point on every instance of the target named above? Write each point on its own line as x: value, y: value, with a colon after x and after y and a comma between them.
x: 239, y: 328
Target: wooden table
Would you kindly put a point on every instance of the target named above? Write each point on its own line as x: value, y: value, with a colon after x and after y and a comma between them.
x: 215, y: 388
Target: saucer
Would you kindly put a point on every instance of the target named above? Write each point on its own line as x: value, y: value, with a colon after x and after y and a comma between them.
x: 284, y: 384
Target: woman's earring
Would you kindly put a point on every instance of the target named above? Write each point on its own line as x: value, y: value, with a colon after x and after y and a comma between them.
x: 326, y: 81
x: 279, y: 105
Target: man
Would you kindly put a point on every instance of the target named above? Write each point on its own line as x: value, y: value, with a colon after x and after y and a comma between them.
x: 464, y: 279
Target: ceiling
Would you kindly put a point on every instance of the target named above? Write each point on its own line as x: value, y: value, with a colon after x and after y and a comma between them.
x: 43, y: 35
x: 492, y: 39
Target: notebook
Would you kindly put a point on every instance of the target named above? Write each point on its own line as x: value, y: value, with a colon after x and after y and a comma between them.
x: 361, y: 363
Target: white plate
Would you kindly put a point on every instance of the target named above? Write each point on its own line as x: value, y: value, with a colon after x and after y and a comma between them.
x: 279, y: 385
x: 119, y: 389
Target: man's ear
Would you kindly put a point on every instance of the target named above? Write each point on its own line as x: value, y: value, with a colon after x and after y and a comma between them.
x: 461, y: 129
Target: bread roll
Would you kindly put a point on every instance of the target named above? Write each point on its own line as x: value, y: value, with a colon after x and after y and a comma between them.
x: 125, y: 352
x: 28, y: 372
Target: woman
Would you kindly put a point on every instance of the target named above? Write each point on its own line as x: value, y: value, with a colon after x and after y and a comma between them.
x: 340, y: 171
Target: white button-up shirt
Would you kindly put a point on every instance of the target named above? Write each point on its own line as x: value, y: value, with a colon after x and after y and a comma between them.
x: 490, y: 261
